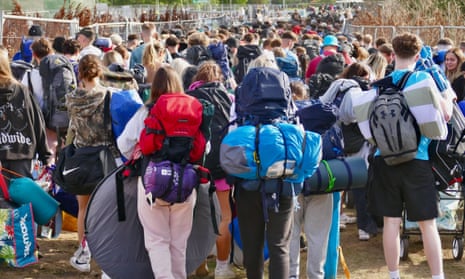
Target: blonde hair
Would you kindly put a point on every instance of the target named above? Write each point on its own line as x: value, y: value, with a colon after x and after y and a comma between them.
x: 378, y: 63
x: 455, y: 73
x: 112, y: 57
x: 6, y: 77
x: 152, y: 53
x: 264, y: 60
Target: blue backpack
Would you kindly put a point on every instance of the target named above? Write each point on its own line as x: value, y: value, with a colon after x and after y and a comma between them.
x: 25, y: 52
x: 264, y: 97
x: 289, y: 65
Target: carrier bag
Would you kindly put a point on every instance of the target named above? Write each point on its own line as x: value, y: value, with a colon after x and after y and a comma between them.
x: 337, y: 175
x: 17, y: 236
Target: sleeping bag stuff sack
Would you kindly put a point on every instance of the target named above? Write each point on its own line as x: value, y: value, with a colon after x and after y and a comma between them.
x: 337, y: 175
x: 123, y: 106
x: 284, y: 151
x: 24, y: 190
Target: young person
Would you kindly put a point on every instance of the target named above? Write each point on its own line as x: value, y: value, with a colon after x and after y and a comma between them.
x: 166, y: 226
x: 409, y: 184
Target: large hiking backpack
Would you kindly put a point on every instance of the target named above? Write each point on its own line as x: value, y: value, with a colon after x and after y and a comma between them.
x: 392, y: 125
x: 173, y: 141
x: 245, y: 55
x: 264, y: 96
x: 319, y: 83
x: 198, y: 54
x: 312, y: 47
x: 216, y: 94
x: 58, y: 80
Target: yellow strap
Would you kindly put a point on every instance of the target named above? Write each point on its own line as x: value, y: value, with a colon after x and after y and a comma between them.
x: 345, y: 268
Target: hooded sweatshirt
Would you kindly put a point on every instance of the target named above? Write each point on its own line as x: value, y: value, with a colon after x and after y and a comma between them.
x: 22, y: 126
x: 86, y: 113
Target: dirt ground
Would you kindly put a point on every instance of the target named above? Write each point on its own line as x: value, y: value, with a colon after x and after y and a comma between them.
x: 364, y: 259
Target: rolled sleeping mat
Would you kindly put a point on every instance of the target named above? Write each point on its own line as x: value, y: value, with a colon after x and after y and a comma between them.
x: 337, y: 175
x: 24, y: 190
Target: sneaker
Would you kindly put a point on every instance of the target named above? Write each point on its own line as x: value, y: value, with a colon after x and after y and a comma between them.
x: 202, y: 270
x: 363, y: 235
x: 346, y: 219
x: 104, y: 275
x: 342, y: 226
x: 81, y: 259
x: 224, y: 272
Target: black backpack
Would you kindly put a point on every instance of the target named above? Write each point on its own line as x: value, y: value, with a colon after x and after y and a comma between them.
x: 392, y: 125
x: 58, y: 80
x: 245, y: 55
x: 217, y: 95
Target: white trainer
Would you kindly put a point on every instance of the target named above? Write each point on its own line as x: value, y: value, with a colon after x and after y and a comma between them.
x: 224, y: 272
x: 363, y: 235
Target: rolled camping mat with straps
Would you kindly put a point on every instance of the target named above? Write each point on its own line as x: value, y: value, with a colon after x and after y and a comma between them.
x: 337, y: 175
x: 115, y: 235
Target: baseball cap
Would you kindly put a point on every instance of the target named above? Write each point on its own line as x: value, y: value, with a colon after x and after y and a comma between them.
x: 330, y: 40
x: 35, y: 31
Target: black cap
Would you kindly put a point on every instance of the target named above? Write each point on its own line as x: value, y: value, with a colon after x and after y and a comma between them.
x: 35, y: 31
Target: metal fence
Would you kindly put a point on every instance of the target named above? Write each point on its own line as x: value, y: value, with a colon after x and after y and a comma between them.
x: 13, y: 28
x: 429, y: 34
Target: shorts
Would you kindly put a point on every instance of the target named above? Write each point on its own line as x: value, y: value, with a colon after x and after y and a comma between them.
x: 410, y: 184
x: 222, y: 185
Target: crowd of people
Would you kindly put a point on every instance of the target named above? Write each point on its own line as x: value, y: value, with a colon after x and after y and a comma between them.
x: 313, y: 52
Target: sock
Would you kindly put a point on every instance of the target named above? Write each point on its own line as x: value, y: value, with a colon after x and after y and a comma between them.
x: 221, y: 263
x: 440, y: 276
x: 394, y: 274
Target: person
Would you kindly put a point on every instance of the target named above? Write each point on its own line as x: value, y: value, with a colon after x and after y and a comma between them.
x: 330, y: 46
x: 152, y: 59
x: 132, y: 42
x: 172, y: 46
x: 378, y: 64
x: 147, y: 34
x: 86, y: 128
x: 388, y: 53
x: 71, y: 49
x: 253, y: 226
x: 24, y: 53
x: 459, y: 84
x: 86, y: 37
x: 454, y: 60
x: 22, y: 124
x: 208, y: 84
x: 409, y: 185
x: 366, y: 224
x: 166, y: 227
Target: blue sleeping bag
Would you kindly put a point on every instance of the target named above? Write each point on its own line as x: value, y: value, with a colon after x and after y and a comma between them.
x: 284, y: 150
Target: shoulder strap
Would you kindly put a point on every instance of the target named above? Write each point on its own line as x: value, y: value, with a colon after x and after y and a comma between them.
x: 401, y: 84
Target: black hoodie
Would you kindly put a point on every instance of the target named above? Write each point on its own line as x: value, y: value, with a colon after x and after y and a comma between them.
x: 22, y: 126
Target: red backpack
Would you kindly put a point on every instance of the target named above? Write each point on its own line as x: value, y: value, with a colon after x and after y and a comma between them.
x: 173, y: 129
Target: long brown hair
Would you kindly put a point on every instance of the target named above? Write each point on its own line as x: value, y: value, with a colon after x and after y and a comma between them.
x: 165, y: 81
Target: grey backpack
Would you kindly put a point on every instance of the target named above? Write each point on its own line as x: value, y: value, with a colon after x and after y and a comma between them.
x: 58, y: 80
x: 392, y: 125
